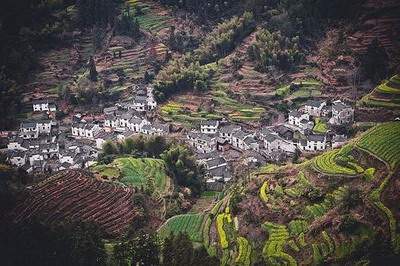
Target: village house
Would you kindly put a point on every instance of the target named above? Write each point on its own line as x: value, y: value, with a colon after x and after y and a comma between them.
x: 313, y: 142
x: 110, y: 110
x: 341, y: 113
x: 139, y: 103
x: 238, y: 138
x: 273, y: 142
x: 43, y: 106
x: 250, y: 143
x: 226, y: 132
x: 209, y: 126
x: 202, y: 142
x: 16, y: 143
x: 29, y: 130
x: 338, y: 141
x: 296, y: 118
x: 111, y: 121
x: 49, y: 150
x: 101, y: 137
x: 83, y: 130
x: 136, y: 124
x: 314, y: 107
x: 17, y: 158
x: 44, y: 126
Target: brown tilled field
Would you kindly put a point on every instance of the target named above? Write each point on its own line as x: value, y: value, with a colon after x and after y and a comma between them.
x: 72, y: 195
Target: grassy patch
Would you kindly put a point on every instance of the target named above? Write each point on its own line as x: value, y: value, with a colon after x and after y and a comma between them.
x: 190, y: 224
x: 136, y: 172
x: 320, y: 126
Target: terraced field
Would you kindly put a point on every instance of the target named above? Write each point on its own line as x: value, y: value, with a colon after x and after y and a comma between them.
x: 300, y: 89
x: 387, y: 94
x: 190, y: 224
x: 136, y: 172
x: 273, y: 248
x: 188, y: 109
x: 384, y: 142
x: 149, y: 18
x: 337, y: 162
x: 75, y: 196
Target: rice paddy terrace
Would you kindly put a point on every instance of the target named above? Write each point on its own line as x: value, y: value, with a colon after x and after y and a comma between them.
x: 76, y: 196
x: 386, y: 95
x: 299, y: 214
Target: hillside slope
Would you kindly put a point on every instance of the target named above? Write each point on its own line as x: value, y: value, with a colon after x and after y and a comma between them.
x: 338, y: 207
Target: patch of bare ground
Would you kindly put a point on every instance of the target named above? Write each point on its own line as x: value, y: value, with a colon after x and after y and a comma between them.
x: 381, y: 22
x: 203, y: 204
x: 58, y: 66
x: 364, y: 114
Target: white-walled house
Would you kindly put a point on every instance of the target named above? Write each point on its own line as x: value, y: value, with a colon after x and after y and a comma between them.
x: 202, y: 142
x: 83, y: 130
x: 44, y: 126
x: 238, y: 138
x: 273, y: 142
x: 40, y: 106
x: 136, y: 124
x: 209, y: 126
x: 314, y: 107
x: 111, y: 121
x: 17, y: 158
x: 16, y: 143
x: 226, y: 132
x: 313, y: 142
x: 29, y: 130
x: 296, y: 117
x: 341, y: 113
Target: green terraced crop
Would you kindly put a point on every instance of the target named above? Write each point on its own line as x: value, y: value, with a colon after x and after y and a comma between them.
x: 220, y: 228
x: 384, y: 142
x: 327, y: 163
x: 264, y: 192
x: 136, y: 171
x: 296, y: 227
x: 273, y: 248
x: 190, y: 224
x: 319, y: 209
x: 300, y: 187
x: 386, y: 94
x: 244, y: 254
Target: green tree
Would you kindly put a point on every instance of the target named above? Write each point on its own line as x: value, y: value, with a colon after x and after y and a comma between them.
x: 183, y: 167
x: 92, y: 69
x: 109, y: 148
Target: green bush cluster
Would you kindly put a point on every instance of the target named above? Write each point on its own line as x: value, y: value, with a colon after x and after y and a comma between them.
x: 182, y: 74
x: 223, y: 39
x: 274, y: 49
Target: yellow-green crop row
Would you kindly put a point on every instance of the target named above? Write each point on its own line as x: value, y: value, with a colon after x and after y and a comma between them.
x: 243, y: 257
x: 264, y: 191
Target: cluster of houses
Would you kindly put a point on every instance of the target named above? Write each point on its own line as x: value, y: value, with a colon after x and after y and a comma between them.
x: 42, y: 144
x: 274, y: 143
